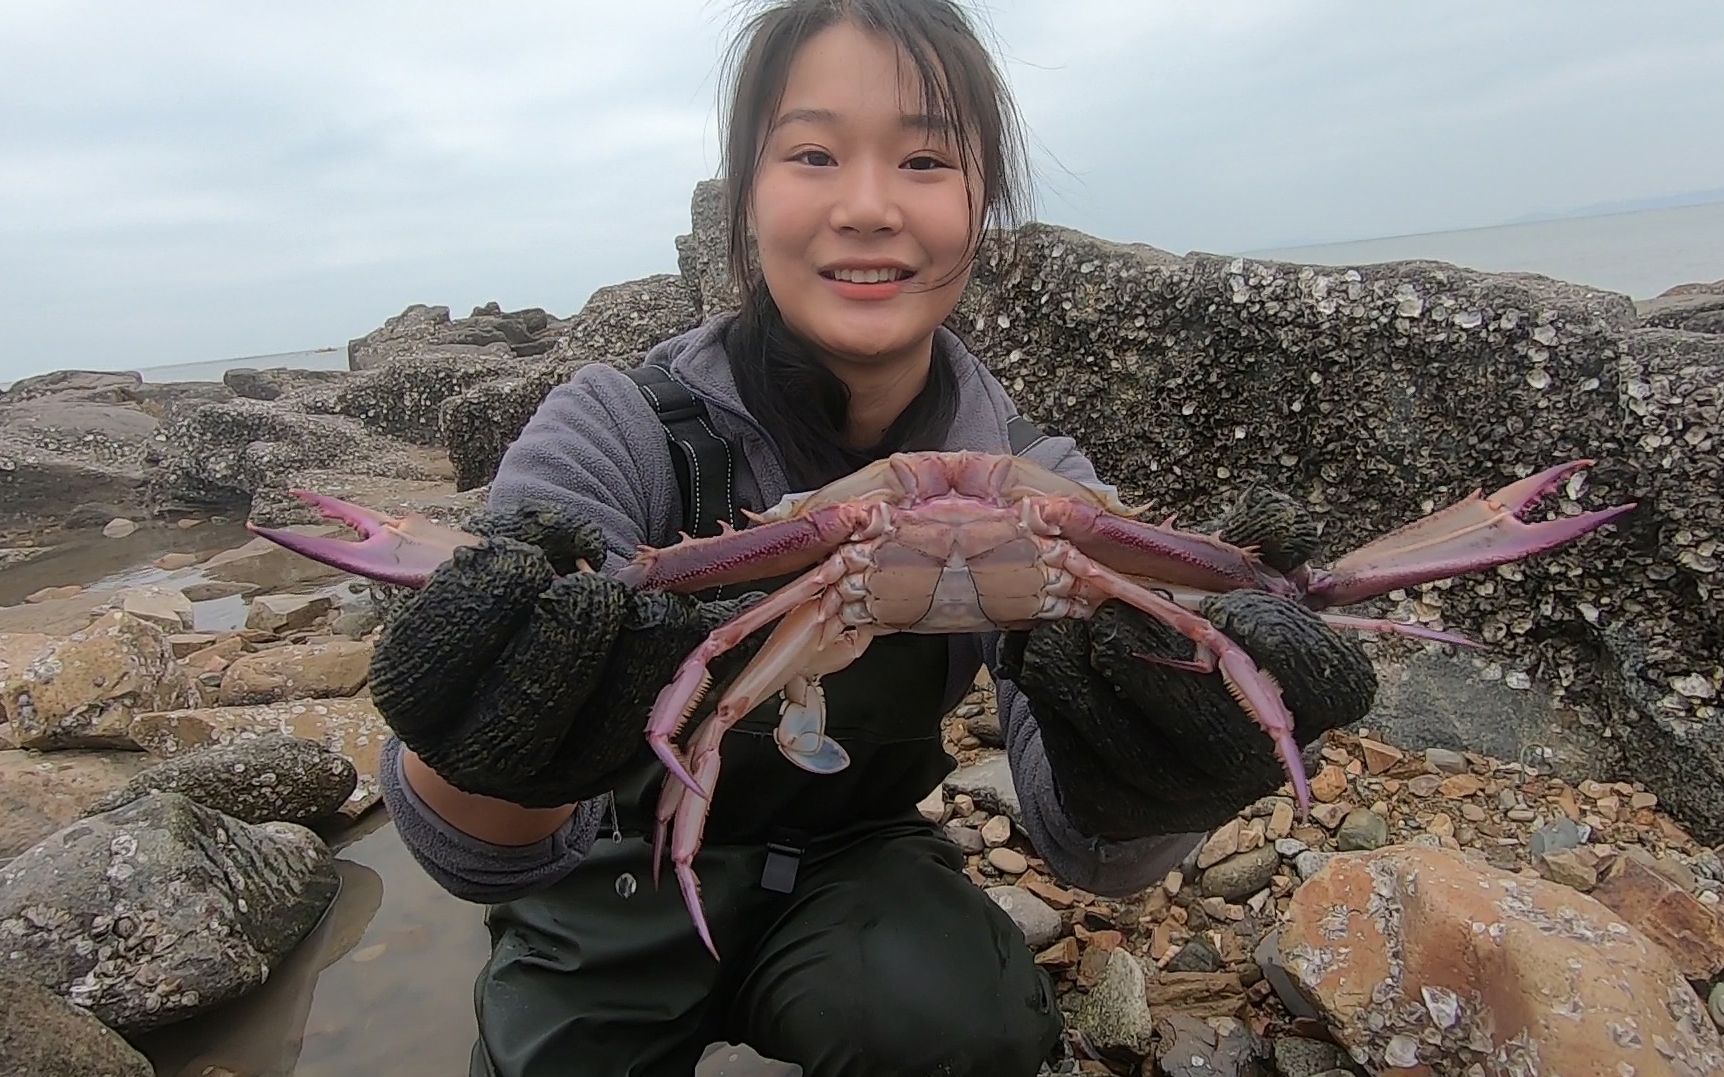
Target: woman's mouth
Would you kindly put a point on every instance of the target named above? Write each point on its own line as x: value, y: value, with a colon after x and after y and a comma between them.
x: 884, y: 275
x: 880, y: 282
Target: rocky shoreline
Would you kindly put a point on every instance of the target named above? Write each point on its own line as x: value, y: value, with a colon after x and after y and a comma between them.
x: 209, y: 734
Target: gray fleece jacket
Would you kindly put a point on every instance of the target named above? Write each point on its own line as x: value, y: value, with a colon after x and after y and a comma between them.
x: 595, y: 446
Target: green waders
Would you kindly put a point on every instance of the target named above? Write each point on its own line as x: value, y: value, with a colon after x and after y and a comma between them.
x: 850, y: 940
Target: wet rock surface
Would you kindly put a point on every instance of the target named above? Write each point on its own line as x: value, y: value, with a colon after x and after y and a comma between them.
x: 160, y: 909
x: 43, y: 1035
x: 82, y: 691
x: 40, y: 792
x: 269, y: 778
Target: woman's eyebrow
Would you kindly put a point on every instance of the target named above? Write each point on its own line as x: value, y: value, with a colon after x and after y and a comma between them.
x: 918, y: 121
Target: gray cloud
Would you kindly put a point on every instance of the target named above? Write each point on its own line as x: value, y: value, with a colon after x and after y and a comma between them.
x: 183, y: 182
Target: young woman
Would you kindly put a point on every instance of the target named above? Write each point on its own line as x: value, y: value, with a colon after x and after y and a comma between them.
x: 869, y: 144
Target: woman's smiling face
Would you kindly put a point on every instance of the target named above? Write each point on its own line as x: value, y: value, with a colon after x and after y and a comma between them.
x: 860, y: 209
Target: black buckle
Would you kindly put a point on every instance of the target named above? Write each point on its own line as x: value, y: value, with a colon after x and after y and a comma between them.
x: 782, y: 858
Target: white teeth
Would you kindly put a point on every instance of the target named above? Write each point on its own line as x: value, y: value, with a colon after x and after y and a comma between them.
x: 868, y: 276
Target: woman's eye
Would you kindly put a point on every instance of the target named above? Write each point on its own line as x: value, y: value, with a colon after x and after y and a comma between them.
x: 817, y: 158
x: 924, y: 163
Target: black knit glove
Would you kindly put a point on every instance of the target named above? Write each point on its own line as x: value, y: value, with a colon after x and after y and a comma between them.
x: 1139, y: 749
x: 511, y: 682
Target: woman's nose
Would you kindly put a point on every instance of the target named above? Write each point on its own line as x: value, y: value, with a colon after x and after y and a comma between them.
x: 866, y: 201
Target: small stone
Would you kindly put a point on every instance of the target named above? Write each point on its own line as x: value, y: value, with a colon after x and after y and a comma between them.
x: 1362, y: 830
x: 1640, y: 801
x: 1425, y: 785
x: 1379, y: 757
x: 1442, y: 825
x: 1715, y: 1003
x: 1221, y: 844
x: 1330, y: 815
x: 1461, y: 786
x: 996, y: 831
x: 1196, y: 955
x: 1241, y: 875
x: 1330, y: 784
x: 967, y: 838
x: 1040, y: 924
x: 1569, y: 867
x: 1446, y: 761
x: 1061, y: 955
x: 1280, y: 820
x: 119, y: 527
x: 1008, y: 860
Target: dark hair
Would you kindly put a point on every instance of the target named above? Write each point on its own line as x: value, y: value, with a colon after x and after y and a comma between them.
x: 781, y: 382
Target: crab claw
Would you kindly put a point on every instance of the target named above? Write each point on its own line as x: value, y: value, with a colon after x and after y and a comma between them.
x: 1479, y: 531
x: 403, y: 550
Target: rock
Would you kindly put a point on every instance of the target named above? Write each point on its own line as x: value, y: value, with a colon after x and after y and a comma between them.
x: 297, y: 671
x: 348, y: 727
x: 1570, y: 868
x: 1008, y: 861
x: 1242, y: 874
x: 1310, y: 862
x: 43, y: 1035
x: 1380, y: 757
x: 261, y: 563
x: 1200, y: 994
x: 1470, y: 964
x: 40, y: 792
x: 63, y: 447
x: 161, y: 909
x: 287, y: 613
x: 933, y: 806
x: 1188, y: 1046
x: 1329, y: 784
x: 1560, y: 835
x: 272, y: 382
x: 1362, y: 829
x: 119, y: 527
x: 240, y: 449
x: 1715, y: 1004
x: 989, y: 784
x: 1691, y: 933
x: 1286, y: 988
x: 271, y: 778
x: 1221, y: 844
x: 18, y: 650
x: 1195, y: 956
x: 1040, y: 924
x: 967, y: 838
x: 83, y: 690
x: 1114, y: 1015
x: 1296, y: 1056
x: 161, y: 606
x: 996, y: 831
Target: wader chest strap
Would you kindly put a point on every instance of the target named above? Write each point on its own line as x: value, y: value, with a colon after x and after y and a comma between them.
x: 705, y: 468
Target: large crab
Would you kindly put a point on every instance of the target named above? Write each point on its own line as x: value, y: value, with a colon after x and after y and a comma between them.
x: 963, y: 542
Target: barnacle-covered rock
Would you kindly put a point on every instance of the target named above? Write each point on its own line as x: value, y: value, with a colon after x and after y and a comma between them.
x: 161, y: 909
x: 1422, y: 961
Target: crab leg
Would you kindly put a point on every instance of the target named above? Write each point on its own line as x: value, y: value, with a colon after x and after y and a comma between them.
x: 796, y: 644
x: 1255, y: 689
x: 679, y: 698
x: 1479, y: 531
x: 400, y: 550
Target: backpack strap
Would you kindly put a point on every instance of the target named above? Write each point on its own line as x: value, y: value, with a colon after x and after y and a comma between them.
x: 705, y: 465
x: 1023, y: 435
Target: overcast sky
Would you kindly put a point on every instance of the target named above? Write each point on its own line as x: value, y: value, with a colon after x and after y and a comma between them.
x: 182, y: 182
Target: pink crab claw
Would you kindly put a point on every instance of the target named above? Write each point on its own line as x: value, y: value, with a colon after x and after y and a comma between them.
x: 1479, y: 531
x: 401, y: 550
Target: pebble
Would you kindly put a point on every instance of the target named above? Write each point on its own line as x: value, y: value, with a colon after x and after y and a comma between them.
x: 1715, y: 1003
x: 1007, y: 860
x: 1362, y: 830
x: 996, y: 831
x: 1445, y: 760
